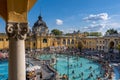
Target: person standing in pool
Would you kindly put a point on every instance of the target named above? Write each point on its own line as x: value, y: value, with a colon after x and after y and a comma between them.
x: 93, y: 71
x: 72, y: 71
x: 82, y: 73
x: 80, y: 64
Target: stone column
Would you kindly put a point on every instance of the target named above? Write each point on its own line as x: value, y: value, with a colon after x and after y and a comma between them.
x: 17, y: 33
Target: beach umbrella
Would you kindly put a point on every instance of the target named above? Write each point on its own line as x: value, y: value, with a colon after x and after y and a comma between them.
x: 30, y: 69
x: 37, y: 67
x: 34, y: 67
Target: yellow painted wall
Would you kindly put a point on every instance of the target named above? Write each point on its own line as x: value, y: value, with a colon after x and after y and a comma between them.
x: 37, y: 43
x: 4, y: 43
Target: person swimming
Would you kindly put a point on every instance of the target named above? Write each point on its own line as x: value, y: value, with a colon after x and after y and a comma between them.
x: 80, y: 64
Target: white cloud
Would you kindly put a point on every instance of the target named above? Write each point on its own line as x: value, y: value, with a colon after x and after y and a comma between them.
x: 101, y: 23
x: 69, y: 30
x: 101, y: 27
x: 97, y: 17
x: 59, y: 21
x: 93, y: 27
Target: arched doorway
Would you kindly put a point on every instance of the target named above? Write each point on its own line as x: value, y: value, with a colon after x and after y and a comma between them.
x: 72, y: 42
x: 111, y: 46
x: 80, y: 46
x: 64, y: 41
x: 44, y: 40
x: 68, y: 41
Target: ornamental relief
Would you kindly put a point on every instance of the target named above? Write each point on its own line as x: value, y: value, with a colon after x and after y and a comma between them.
x: 17, y: 30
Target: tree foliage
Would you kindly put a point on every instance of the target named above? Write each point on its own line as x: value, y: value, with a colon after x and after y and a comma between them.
x: 111, y: 31
x: 56, y: 32
x: 87, y: 33
x: 93, y: 33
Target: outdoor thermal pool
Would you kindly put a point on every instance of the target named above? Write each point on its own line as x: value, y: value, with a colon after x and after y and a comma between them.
x: 79, y: 67
x: 76, y: 68
x: 3, y: 70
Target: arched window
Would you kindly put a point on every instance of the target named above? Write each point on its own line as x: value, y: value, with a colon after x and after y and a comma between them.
x: 34, y: 44
x: 68, y: 42
x: 72, y: 42
x: 100, y: 42
x: 103, y: 42
x: 64, y: 41
x: 111, y: 45
x: 44, y: 40
x: 100, y: 47
x: 6, y: 39
x: 53, y: 44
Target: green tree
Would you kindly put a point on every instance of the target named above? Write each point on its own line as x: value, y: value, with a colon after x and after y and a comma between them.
x: 111, y: 31
x: 95, y: 34
x: 56, y: 32
x: 87, y: 33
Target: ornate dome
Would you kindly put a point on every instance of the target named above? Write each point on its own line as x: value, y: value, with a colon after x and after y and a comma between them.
x: 40, y: 27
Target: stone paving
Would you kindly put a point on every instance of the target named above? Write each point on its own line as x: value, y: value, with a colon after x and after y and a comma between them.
x: 47, y: 74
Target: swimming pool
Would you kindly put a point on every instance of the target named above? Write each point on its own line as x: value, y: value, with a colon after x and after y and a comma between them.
x: 62, y: 67
x: 117, y: 74
x: 76, y: 68
x: 3, y: 70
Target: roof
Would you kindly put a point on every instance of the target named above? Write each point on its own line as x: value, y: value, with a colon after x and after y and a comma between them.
x: 40, y: 23
x: 112, y: 35
x: 91, y: 37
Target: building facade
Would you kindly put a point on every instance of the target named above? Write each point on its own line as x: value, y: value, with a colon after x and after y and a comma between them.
x: 39, y: 38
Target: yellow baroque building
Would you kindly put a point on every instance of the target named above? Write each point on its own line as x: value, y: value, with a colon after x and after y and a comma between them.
x: 39, y: 38
x: 3, y: 41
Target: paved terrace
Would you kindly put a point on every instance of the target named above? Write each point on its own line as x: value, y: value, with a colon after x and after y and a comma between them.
x: 47, y: 74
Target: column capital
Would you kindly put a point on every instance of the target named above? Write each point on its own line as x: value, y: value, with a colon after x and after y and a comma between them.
x: 17, y: 30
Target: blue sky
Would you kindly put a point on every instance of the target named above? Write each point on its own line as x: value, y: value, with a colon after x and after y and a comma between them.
x: 70, y: 15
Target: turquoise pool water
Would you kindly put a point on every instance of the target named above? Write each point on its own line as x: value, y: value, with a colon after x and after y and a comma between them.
x: 46, y: 56
x: 79, y: 68
x: 3, y: 70
x: 62, y: 67
x: 117, y: 74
